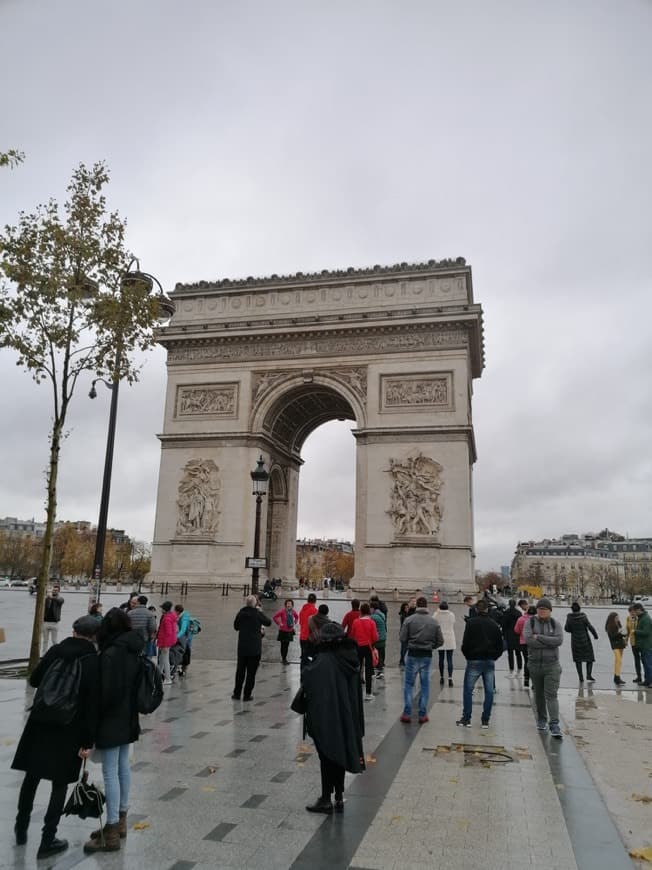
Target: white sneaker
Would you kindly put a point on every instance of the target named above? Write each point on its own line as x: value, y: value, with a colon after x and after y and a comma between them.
x: 167, y: 682
x: 368, y: 697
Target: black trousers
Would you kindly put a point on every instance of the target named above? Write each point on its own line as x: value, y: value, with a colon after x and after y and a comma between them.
x: 526, y: 672
x: 637, y: 662
x: 332, y: 777
x: 364, y: 655
x: 285, y: 645
x: 448, y: 654
x: 589, y: 670
x: 245, y: 672
x: 53, y: 812
x: 510, y: 658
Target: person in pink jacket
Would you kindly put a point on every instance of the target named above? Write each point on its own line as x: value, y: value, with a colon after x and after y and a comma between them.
x: 166, y: 638
x: 519, y: 625
x: 286, y: 619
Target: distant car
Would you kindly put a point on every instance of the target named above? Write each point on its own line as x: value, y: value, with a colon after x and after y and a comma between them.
x: 5, y: 582
x: 20, y: 582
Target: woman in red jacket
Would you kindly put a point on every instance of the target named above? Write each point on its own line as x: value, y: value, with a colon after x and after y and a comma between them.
x: 166, y: 638
x: 364, y: 632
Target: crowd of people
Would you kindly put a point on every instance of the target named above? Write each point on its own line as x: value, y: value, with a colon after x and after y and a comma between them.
x: 340, y: 663
x: 98, y: 668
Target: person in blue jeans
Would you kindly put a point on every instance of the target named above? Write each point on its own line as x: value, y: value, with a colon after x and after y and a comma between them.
x: 481, y: 646
x: 421, y: 633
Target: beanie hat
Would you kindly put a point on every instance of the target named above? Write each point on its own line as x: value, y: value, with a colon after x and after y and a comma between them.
x: 544, y: 602
x: 86, y: 626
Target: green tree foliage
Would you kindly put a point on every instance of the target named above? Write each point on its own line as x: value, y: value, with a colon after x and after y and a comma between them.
x: 68, y: 310
x: 11, y: 158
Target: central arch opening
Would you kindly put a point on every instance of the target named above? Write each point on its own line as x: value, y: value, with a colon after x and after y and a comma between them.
x: 311, y: 423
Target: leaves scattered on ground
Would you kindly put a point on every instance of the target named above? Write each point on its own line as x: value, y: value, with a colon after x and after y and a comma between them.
x: 140, y: 826
x: 643, y: 798
x: 644, y: 854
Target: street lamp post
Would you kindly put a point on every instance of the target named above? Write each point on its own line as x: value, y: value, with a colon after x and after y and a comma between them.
x: 145, y: 281
x: 259, y: 478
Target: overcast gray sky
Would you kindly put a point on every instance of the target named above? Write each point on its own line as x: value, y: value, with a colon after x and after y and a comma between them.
x: 250, y: 138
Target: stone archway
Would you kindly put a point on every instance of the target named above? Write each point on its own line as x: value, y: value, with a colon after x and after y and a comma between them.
x: 255, y: 366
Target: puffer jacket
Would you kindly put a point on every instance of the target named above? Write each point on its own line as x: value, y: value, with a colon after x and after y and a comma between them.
x: 446, y: 620
x: 167, y: 630
x: 544, y: 650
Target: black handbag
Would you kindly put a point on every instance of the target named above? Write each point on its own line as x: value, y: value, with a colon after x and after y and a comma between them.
x: 86, y: 799
x: 299, y: 702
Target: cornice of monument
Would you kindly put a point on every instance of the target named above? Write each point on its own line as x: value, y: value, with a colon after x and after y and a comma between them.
x: 446, y: 265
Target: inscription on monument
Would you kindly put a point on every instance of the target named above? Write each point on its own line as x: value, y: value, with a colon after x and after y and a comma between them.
x: 199, y: 498
x: 416, y: 487
x: 207, y: 400
x: 419, y: 392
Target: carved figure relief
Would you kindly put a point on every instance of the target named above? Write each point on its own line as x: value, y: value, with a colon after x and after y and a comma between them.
x: 356, y: 378
x: 416, y: 487
x: 199, y: 498
x: 207, y: 400
x: 417, y: 392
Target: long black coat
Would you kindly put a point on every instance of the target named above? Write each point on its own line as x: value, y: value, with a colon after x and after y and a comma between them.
x: 248, y: 623
x: 510, y: 618
x: 578, y: 626
x: 119, y: 667
x: 334, y: 717
x: 51, y: 751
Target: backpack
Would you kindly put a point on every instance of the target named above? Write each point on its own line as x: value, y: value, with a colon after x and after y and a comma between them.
x: 194, y: 625
x: 149, y: 686
x: 57, y: 697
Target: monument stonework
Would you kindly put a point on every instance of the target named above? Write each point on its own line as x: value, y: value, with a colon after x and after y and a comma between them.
x: 256, y: 365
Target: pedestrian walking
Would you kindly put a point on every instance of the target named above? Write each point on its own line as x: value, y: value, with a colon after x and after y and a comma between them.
x: 166, y: 638
x: 142, y: 620
x: 482, y: 645
x: 578, y: 626
x: 543, y: 636
x: 249, y: 622
x: 379, y: 604
x: 51, y: 618
x: 334, y: 717
x: 150, y: 650
x: 528, y: 611
x: 381, y: 626
x: 351, y: 615
x: 184, y: 637
x: 95, y: 610
x: 630, y: 626
x: 643, y: 636
x: 422, y: 633
x: 120, y: 649
x: 364, y: 632
x: 618, y: 640
x: 446, y: 619
x: 54, y: 751
x: 406, y: 609
x: 286, y: 620
x: 309, y: 609
x: 512, y: 640
x: 315, y: 623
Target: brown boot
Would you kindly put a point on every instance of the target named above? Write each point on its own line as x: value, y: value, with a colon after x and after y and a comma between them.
x: 122, y: 827
x: 110, y: 842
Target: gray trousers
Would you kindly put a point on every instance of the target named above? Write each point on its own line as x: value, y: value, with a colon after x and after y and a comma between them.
x: 49, y: 634
x: 545, y: 682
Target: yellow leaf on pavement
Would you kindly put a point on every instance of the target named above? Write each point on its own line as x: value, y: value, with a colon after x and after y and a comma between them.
x: 140, y: 826
x: 644, y: 854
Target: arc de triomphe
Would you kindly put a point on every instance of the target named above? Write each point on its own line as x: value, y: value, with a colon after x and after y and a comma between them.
x: 255, y: 365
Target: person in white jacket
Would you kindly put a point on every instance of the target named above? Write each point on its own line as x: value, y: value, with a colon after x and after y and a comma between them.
x: 446, y: 619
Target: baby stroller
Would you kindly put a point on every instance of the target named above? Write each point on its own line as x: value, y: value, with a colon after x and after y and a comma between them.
x: 176, y: 658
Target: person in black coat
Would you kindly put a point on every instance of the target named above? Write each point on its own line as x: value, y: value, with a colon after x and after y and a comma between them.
x: 512, y: 640
x: 54, y: 752
x: 578, y: 626
x: 118, y: 726
x: 334, y: 715
x: 249, y: 622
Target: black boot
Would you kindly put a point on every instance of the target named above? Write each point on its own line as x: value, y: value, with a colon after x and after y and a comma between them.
x: 339, y: 803
x: 321, y: 805
x: 51, y: 847
x: 21, y: 834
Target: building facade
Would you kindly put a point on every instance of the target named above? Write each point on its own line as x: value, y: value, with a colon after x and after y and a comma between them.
x: 595, y: 566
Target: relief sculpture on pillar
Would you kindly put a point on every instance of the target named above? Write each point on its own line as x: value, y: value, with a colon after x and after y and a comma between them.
x: 199, y: 498
x: 416, y: 486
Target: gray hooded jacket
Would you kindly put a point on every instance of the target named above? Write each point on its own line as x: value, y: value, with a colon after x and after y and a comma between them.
x: 550, y: 636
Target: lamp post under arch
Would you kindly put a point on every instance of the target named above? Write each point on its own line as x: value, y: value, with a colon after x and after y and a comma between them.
x: 259, y: 479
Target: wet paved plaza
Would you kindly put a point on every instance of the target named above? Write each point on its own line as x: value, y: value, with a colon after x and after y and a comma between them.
x: 218, y: 783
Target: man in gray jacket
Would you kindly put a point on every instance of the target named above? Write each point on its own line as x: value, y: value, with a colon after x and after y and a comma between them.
x: 422, y: 633
x: 543, y: 637
x: 142, y: 620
